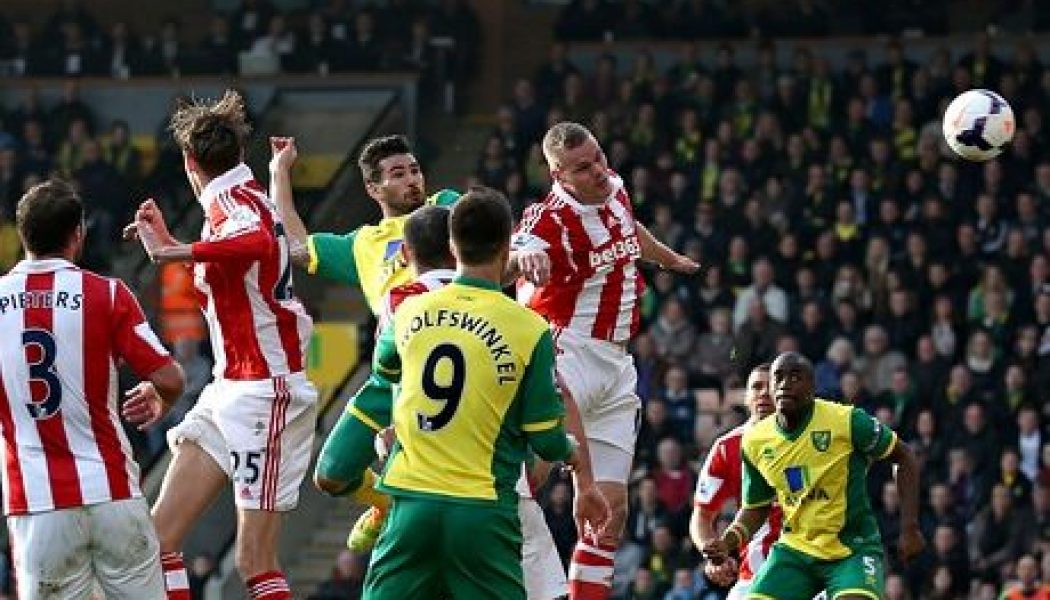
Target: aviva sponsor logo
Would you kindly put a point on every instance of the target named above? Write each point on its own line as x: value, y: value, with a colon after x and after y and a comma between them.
x: 799, y: 490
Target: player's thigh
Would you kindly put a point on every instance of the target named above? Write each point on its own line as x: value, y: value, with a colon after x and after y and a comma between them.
x: 861, y: 575
x: 486, y: 563
x: 51, y: 553
x: 541, y: 566
x: 269, y: 432
x: 347, y: 452
x: 786, y: 575
x: 125, y: 553
x: 407, y: 564
x: 191, y: 483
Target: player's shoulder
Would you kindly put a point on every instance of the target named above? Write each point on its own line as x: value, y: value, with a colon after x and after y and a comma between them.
x: 834, y: 412
x: 758, y: 434
x: 733, y: 437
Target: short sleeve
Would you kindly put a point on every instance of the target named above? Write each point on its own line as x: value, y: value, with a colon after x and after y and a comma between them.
x: 386, y: 362
x: 756, y: 490
x: 445, y: 197
x: 870, y: 437
x: 133, y: 339
x: 332, y: 257
x: 717, y: 481
x: 542, y: 407
x: 534, y: 231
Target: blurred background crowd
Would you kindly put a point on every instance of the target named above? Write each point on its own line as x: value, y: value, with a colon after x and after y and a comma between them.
x: 828, y: 214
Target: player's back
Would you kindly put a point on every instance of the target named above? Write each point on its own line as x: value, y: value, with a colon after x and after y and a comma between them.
x: 464, y: 350
x: 64, y: 330
x: 259, y: 328
x: 595, y: 286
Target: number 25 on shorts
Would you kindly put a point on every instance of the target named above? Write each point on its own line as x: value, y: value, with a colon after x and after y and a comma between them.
x: 246, y: 466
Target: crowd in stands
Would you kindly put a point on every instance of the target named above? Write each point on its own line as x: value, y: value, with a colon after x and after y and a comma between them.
x: 830, y: 219
x: 595, y: 20
x: 336, y: 36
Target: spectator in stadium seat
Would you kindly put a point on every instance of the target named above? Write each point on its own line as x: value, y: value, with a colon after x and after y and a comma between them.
x: 644, y: 586
x: 665, y: 555
x: 902, y: 323
x: 711, y: 360
x: 929, y: 370
x: 217, y: 52
x: 945, y: 328
x: 878, y: 361
x: 1001, y: 533
x: 811, y: 330
x: 1029, y: 440
x: 646, y: 513
x: 828, y: 373
x: 656, y: 426
x: 675, y: 481
x: 119, y: 152
x: 764, y: 291
x: 681, y: 405
x: 755, y: 340
x: 249, y: 21
x: 364, y: 48
x: 120, y: 55
x: 672, y: 332
x: 1011, y: 477
x: 277, y: 41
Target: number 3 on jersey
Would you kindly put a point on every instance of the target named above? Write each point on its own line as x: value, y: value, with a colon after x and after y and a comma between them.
x: 45, y: 389
x: 450, y: 393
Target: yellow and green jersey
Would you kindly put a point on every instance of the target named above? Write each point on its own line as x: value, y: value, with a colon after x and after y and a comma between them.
x: 369, y: 256
x: 475, y: 388
x: 818, y: 475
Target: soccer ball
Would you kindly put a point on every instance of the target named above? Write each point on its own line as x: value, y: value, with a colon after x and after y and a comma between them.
x: 977, y: 125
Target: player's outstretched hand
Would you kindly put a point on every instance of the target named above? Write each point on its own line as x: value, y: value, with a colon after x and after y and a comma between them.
x: 534, y: 266
x: 591, y: 511
x: 715, y: 551
x: 722, y: 575
x: 683, y: 264
x: 143, y: 406
x: 283, y: 153
x: 911, y: 544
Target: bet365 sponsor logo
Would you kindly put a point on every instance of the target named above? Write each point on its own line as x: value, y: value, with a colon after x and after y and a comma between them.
x: 616, y: 251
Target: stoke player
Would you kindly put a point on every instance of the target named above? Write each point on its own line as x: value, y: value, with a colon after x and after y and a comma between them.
x: 372, y: 257
x: 254, y: 423
x: 71, y: 488
x: 719, y: 482
x: 426, y: 248
x: 586, y: 229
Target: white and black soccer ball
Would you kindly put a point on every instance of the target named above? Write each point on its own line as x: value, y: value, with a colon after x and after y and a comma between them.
x: 978, y: 124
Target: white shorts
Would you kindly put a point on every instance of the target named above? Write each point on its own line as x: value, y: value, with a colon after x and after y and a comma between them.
x: 259, y: 432
x: 600, y: 377
x: 540, y: 564
x: 60, y: 554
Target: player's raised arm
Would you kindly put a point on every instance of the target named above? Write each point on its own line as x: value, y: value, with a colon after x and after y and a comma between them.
x: 284, y: 155
x: 655, y: 251
x: 877, y: 441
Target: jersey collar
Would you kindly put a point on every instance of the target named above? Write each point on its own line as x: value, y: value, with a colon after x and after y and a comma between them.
x: 435, y: 276
x: 476, y: 282
x: 44, y: 265
x: 235, y: 176
x: 793, y: 434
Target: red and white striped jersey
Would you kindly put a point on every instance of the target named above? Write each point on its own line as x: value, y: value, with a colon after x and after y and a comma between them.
x: 243, y: 275
x: 65, y: 330
x: 720, y: 481
x: 595, y: 286
x: 433, y: 279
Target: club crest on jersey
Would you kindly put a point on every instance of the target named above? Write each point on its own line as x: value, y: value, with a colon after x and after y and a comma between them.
x: 768, y: 453
x: 821, y: 440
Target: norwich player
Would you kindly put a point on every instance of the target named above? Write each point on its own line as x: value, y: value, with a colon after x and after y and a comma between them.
x: 812, y: 456
x: 475, y: 373
x: 373, y: 258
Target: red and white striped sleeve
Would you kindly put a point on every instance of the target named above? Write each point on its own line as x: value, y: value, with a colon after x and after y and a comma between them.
x: 237, y: 229
x: 133, y: 339
x: 719, y: 479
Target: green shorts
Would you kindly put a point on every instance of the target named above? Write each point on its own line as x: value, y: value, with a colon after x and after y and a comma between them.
x: 432, y: 549
x: 350, y: 447
x: 789, y: 574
